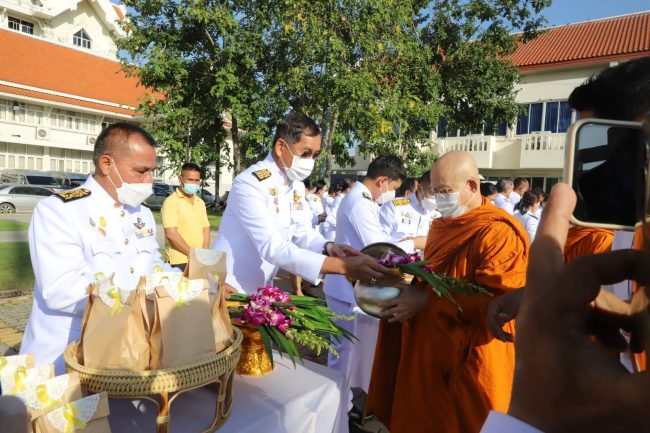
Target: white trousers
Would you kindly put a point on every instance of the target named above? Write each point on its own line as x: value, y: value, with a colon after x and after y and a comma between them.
x: 355, y: 358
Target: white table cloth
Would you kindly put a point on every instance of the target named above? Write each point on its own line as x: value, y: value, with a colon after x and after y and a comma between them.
x: 309, y: 399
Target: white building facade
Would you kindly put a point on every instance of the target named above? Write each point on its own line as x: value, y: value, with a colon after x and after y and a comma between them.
x: 61, y: 84
x: 551, y: 66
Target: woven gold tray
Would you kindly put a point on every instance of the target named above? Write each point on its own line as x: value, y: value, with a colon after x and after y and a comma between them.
x: 216, y: 370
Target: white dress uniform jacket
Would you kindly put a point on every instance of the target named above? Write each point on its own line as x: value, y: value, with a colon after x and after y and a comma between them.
x: 404, y: 217
x: 503, y: 202
x: 316, y: 205
x: 264, y: 228
x: 76, y: 237
x: 530, y: 221
x: 358, y: 225
x: 329, y: 225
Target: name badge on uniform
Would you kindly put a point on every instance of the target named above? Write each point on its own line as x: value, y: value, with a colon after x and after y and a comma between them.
x: 297, y: 203
x: 144, y: 233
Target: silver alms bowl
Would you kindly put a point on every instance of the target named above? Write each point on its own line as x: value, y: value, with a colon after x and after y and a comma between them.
x: 369, y: 296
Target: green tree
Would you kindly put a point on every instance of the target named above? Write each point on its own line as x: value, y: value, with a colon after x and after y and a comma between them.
x: 377, y: 75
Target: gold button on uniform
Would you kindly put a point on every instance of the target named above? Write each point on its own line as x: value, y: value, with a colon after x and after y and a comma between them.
x: 122, y: 213
x: 126, y: 241
x: 131, y: 270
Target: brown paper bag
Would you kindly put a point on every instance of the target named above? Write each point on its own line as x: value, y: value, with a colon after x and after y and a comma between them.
x: 9, y: 364
x: 87, y: 415
x: 203, y: 262
x: 113, y: 333
x: 221, y: 325
x: 182, y: 323
x: 18, y: 381
x: 51, y: 394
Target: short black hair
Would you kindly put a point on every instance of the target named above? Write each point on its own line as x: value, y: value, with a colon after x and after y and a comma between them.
x: 342, y: 184
x: 487, y: 189
x: 387, y: 165
x: 504, y: 183
x: 621, y: 92
x: 320, y: 184
x: 308, y: 184
x: 519, y: 181
x: 409, y: 184
x: 117, y: 135
x: 294, y: 126
x: 425, y: 179
x: 190, y: 166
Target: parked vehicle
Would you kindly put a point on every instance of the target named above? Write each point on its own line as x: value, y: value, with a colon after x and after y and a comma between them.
x: 21, y: 198
x: 167, y: 187
x: 30, y: 177
x: 207, y: 197
x: 155, y: 200
x: 69, y: 180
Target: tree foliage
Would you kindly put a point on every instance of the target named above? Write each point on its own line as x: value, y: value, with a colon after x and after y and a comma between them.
x: 376, y: 74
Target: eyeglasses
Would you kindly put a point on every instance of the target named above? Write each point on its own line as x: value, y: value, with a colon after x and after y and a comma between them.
x: 439, y: 192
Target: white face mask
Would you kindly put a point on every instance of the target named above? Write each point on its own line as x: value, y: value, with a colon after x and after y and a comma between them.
x: 385, y: 197
x: 300, y: 168
x: 429, y: 204
x: 131, y: 194
x: 449, y: 204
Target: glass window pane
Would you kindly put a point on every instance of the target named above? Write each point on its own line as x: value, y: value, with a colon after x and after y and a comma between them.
x: 565, y: 117
x: 522, y: 122
x: 535, y: 116
x: 502, y: 129
x: 550, y: 121
x: 442, y: 126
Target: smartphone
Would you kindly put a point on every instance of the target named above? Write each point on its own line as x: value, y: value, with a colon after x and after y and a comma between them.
x: 606, y: 164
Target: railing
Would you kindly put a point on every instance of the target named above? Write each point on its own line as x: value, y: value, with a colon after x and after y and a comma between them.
x: 542, y: 150
x: 480, y: 146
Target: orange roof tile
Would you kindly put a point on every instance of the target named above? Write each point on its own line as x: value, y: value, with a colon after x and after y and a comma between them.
x: 118, y: 11
x: 72, y: 101
x: 30, y: 61
x: 593, y: 41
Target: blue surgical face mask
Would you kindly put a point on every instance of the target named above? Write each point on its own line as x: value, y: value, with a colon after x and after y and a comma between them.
x: 191, y: 188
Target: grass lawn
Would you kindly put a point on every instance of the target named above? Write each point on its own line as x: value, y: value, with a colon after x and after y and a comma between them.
x: 8, y: 225
x: 214, y: 218
x: 16, y: 270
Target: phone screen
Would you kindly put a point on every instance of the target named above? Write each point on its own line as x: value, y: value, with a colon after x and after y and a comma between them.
x: 609, y: 174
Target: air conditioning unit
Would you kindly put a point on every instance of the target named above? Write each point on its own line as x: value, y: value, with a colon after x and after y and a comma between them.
x: 42, y: 133
x: 91, y: 140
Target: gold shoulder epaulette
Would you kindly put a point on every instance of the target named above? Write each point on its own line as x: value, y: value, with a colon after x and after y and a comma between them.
x: 72, y: 195
x: 402, y: 201
x: 262, y: 174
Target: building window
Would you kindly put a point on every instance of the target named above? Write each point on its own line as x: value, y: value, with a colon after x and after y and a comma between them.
x: 81, y: 39
x: 21, y: 26
x: 551, y: 116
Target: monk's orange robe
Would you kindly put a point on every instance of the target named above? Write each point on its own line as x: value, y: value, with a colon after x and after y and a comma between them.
x: 442, y: 371
x: 582, y: 241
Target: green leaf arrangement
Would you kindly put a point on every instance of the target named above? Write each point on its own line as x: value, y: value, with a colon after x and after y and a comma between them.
x: 441, y: 284
x: 284, y: 320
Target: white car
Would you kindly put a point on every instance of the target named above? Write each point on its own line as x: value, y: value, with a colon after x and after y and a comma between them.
x: 21, y: 198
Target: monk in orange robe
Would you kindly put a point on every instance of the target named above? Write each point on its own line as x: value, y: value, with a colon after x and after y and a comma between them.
x: 437, y: 368
x: 582, y: 241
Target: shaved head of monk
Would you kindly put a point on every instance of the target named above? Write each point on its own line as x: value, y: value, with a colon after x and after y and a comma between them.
x: 456, y: 172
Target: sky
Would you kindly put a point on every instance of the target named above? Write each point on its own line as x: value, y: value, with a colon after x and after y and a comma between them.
x: 572, y: 11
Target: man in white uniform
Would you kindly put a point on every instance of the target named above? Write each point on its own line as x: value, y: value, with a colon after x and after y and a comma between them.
x: 410, y: 217
x: 358, y: 225
x: 264, y: 226
x: 519, y: 187
x: 80, y: 235
x: 504, y: 191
